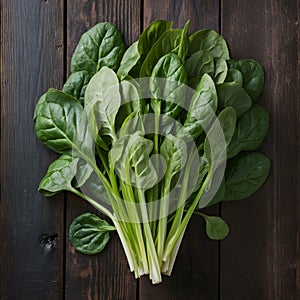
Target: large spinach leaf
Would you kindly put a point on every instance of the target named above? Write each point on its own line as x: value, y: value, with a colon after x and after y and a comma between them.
x: 250, y: 131
x: 245, y: 175
x: 100, y: 46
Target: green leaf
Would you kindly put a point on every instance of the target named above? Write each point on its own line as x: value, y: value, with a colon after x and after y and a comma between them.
x: 234, y: 76
x: 220, y: 70
x: 61, y: 124
x: 84, y: 172
x: 232, y: 94
x: 216, y: 227
x: 253, y: 75
x: 150, y: 35
x: 245, y: 175
x: 100, y: 46
x: 250, y: 132
x: 89, y: 234
x: 202, y: 107
x: 129, y: 61
x: 102, y: 102
x: 210, y: 41
x: 76, y: 85
x: 219, y: 136
x: 185, y: 41
x: 59, y: 176
x: 168, y: 94
x: 165, y: 44
x: 198, y: 64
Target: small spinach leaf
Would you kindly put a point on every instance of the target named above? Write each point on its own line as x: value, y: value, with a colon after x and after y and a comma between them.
x: 89, y: 234
x: 220, y: 70
x: 234, y: 76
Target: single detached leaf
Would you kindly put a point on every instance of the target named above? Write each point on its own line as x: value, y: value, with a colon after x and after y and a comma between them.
x: 250, y: 132
x: 232, y: 94
x: 253, y: 75
x: 100, y: 46
x: 76, y: 85
x: 59, y: 176
x: 210, y: 41
x: 245, y: 174
x: 216, y: 227
x: 89, y: 234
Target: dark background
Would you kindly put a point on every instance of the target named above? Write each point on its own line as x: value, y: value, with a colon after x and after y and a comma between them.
x: 258, y: 260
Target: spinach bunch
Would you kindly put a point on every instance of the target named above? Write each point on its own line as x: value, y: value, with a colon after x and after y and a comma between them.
x: 150, y: 135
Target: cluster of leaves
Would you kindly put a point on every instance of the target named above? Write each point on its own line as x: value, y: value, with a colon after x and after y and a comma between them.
x: 106, y: 149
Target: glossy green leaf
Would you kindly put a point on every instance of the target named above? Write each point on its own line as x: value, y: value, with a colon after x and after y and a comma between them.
x: 245, y: 174
x: 216, y: 227
x: 100, y: 46
x: 198, y: 64
x: 232, y: 94
x: 168, y: 94
x: 183, y: 47
x: 202, y: 107
x: 210, y: 41
x: 220, y: 70
x: 129, y: 61
x: 76, y: 85
x: 250, y: 132
x: 61, y: 124
x: 89, y: 234
x: 59, y: 176
x: 253, y: 75
x: 234, y: 76
x: 165, y: 44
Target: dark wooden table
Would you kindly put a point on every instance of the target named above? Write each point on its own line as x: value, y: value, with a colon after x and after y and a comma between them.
x: 258, y: 260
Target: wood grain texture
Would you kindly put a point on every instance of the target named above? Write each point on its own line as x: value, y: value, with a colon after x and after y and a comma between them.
x: 259, y: 259
x: 104, y: 276
x: 31, y: 62
x: 195, y: 274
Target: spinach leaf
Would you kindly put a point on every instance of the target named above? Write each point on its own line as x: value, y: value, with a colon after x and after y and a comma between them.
x: 102, y: 45
x: 216, y: 227
x: 198, y: 64
x: 234, y: 76
x: 129, y: 61
x: 232, y: 94
x: 183, y: 47
x: 84, y: 172
x: 61, y: 124
x: 253, y: 75
x: 202, y: 107
x: 250, y: 132
x: 168, y: 95
x: 76, y: 85
x: 166, y: 43
x: 210, y: 41
x: 89, y: 234
x: 220, y: 68
x: 245, y: 174
x: 150, y: 35
x: 102, y: 102
x: 59, y: 176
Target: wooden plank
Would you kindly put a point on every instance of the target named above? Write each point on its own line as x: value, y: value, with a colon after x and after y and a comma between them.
x: 31, y: 62
x: 259, y: 259
x: 104, y: 276
x: 195, y: 274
